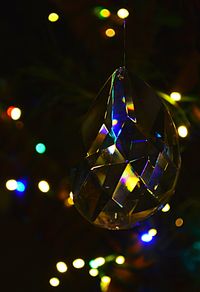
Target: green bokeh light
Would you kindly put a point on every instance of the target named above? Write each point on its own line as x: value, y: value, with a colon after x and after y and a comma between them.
x: 40, y: 148
x: 101, y: 12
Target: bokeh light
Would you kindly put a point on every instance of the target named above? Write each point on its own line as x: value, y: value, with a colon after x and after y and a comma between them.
x: 54, y: 282
x: 98, y: 262
x: 146, y: 237
x: 123, y: 13
x: 152, y: 232
x: 92, y: 264
x: 105, y: 281
x: 14, y: 112
x: 70, y: 201
x: 93, y: 272
x: 40, y: 148
x: 71, y: 195
x: 11, y: 184
x: 53, y: 17
x: 43, y: 186
x: 179, y: 222
x: 110, y: 32
x: 78, y: 263
x: 182, y: 131
x: 176, y: 96
x: 120, y: 260
x: 9, y: 110
x: 20, y: 187
x: 61, y: 267
x: 166, y: 208
x: 104, y: 13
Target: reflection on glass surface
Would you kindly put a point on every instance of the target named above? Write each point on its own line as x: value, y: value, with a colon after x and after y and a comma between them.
x: 132, y: 163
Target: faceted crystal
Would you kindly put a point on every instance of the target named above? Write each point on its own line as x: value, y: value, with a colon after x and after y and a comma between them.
x: 132, y: 158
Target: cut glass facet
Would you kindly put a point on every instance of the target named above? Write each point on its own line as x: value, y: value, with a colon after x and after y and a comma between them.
x: 132, y: 157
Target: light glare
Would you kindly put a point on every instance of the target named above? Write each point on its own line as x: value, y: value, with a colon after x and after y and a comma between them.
x: 152, y: 232
x: 123, y: 13
x: 54, y: 282
x: 104, y: 13
x: 120, y: 260
x: 166, y: 208
x: 53, y: 17
x: 70, y: 201
x: 111, y: 149
x: 182, y: 131
x: 100, y: 261
x: 20, y: 187
x: 11, y: 184
x: 93, y: 272
x: 146, y: 237
x: 61, y: 267
x: 40, y: 148
x: 43, y: 186
x: 110, y: 32
x: 179, y: 222
x: 105, y: 279
x: 15, y: 113
x: 71, y: 195
x: 176, y: 96
x: 78, y: 263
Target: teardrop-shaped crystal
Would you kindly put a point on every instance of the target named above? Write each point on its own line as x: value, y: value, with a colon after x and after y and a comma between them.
x: 132, y: 159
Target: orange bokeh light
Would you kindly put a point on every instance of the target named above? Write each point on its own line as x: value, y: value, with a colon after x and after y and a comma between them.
x: 9, y: 110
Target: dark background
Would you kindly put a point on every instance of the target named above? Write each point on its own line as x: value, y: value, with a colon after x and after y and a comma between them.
x: 53, y: 71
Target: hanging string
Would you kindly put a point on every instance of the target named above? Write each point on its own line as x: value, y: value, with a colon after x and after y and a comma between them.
x: 124, y: 41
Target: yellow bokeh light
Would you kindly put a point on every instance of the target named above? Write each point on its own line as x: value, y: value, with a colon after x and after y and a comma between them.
x: 120, y: 260
x: 61, y: 267
x: 71, y: 195
x: 179, y: 222
x: 105, y: 281
x: 78, y: 263
x: 53, y: 17
x: 166, y: 208
x: 182, y: 131
x: 54, y: 282
x: 110, y: 32
x: 93, y: 272
x: 70, y: 201
x: 105, y: 13
x: 123, y: 13
x: 175, y: 96
x: 43, y: 186
x: 11, y: 184
x: 114, y: 122
x: 152, y: 232
x: 100, y: 261
x: 15, y: 113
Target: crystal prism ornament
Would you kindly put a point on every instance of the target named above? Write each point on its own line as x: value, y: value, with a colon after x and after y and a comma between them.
x: 131, y: 158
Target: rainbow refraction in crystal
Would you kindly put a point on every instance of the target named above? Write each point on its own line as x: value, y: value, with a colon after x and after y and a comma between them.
x: 132, y: 161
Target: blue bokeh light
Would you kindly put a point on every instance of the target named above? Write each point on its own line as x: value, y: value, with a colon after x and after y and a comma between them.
x: 20, y: 187
x: 158, y: 135
x: 146, y: 237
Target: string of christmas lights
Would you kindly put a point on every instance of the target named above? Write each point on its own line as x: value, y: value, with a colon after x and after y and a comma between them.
x: 19, y: 185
